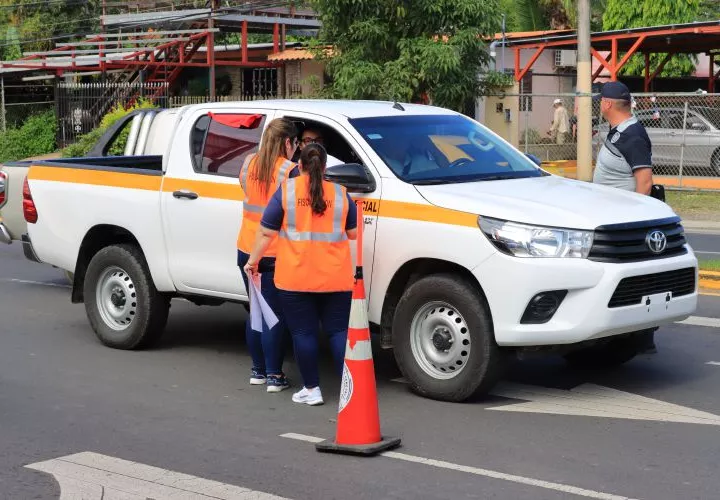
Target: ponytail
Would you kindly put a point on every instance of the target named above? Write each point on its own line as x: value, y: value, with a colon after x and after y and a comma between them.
x: 313, y: 160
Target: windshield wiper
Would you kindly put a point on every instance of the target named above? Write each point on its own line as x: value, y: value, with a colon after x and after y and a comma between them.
x: 431, y: 182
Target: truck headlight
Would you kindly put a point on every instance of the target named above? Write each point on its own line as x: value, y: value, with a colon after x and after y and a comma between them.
x: 522, y: 240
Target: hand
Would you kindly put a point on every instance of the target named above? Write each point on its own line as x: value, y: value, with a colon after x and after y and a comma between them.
x: 251, y: 268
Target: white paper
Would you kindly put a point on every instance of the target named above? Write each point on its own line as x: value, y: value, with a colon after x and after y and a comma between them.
x: 259, y: 308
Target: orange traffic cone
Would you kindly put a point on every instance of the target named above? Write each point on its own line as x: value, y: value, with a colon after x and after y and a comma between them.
x: 358, y: 422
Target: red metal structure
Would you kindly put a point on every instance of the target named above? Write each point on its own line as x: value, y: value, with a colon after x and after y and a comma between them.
x: 163, y: 54
x: 694, y: 38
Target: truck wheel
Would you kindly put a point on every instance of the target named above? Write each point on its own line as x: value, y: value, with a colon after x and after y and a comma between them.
x: 123, y: 306
x: 608, y: 355
x: 443, y: 339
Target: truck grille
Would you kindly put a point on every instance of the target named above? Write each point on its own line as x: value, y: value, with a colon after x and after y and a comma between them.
x: 630, y: 291
x: 629, y: 242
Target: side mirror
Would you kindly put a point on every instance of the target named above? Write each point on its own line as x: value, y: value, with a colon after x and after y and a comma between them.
x: 355, y: 177
x: 537, y: 161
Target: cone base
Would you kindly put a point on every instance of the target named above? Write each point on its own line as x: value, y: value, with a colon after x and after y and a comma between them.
x: 384, y: 444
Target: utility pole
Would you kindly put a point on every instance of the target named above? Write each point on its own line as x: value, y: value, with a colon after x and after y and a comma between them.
x: 584, y: 93
x: 211, y: 48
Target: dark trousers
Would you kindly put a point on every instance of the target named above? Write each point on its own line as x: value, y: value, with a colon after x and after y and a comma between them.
x: 304, y: 313
x: 266, y: 347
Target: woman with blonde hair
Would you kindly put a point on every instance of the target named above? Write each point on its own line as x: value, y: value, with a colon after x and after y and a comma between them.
x: 312, y: 220
x: 261, y: 175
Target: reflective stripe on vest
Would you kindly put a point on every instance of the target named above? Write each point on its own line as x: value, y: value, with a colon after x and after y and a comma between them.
x: 282, y: 173
x: 293, y: 234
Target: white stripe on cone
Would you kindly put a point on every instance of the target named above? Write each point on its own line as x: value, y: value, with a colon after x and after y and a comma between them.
x: 362, y: 351
x: 358, y: 314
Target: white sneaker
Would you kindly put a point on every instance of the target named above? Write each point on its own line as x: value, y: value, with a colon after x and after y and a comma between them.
x: 307, y: 396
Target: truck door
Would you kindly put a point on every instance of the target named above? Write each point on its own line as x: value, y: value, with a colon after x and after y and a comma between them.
x: 342, y: 147
x: 202, y: 199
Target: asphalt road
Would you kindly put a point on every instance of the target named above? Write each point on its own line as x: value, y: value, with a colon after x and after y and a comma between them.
x: 705, y: 245
x: 186, y: 406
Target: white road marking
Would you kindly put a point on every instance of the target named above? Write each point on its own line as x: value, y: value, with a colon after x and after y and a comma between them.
x: 481, y: 472
x: 592, y: 400
x: 302, y: 437
x: 700, y: 321
x: 30, y: 282
x: 91, y: 476
x: 714, y: 363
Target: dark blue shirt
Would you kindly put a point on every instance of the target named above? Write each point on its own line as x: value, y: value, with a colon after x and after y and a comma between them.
x: 273, y: 216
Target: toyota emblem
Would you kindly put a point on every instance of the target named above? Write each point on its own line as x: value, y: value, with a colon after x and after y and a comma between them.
x: 656, y: 241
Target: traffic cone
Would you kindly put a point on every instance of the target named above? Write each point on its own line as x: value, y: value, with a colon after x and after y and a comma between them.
x: 358, y: 422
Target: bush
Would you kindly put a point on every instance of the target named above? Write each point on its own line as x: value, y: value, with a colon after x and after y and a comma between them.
x: 34, y: 137
x: 86, y: 141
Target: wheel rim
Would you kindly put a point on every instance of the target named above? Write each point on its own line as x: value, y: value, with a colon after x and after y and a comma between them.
x: 440, y: 340
x: 116, y: 298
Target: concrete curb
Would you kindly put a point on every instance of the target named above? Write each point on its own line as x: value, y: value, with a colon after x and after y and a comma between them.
x: 710, y: 280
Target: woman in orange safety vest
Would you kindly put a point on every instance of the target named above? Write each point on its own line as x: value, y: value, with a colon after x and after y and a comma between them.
x: 261, y: 175
x: 313, y: 220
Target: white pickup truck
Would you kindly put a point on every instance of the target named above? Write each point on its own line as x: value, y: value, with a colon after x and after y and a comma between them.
x: 472, y: 252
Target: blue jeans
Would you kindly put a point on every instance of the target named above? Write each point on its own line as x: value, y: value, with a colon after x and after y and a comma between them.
x: 266, y: 347
x: 304, y: 312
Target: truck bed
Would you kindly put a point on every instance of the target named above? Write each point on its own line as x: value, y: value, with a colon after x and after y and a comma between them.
x: 147, y: 165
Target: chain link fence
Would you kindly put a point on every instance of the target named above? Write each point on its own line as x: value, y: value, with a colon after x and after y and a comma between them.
x: 684, y: 130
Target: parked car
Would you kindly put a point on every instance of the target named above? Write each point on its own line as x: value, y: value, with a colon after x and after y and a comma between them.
x: 701, y: 136
x: 472, y: 252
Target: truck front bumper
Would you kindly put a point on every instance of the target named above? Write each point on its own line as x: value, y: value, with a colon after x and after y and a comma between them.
x: 585, y: 312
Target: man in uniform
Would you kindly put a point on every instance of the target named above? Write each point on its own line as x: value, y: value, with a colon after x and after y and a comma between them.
x: 561, y: 122
x: 625, y: 158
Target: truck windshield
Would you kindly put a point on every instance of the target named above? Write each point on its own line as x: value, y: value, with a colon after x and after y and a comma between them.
x: 443, y: 149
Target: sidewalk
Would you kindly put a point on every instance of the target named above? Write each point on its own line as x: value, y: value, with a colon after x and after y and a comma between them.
x: 701, y: 226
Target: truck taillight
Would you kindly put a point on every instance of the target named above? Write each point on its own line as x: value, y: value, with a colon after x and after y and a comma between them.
x: 29, y: 209
x: 3, y: 187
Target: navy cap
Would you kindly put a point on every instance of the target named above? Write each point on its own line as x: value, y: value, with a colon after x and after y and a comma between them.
x: 614, y: 90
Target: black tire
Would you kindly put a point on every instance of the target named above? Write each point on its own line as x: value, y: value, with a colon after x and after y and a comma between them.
x: 610, y: 354
x: 484, y: 362
x: 149, y: 307
x: 715, y: 162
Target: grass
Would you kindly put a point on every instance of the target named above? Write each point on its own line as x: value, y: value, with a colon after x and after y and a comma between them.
x: 710, y: 265
x: 695, y: 205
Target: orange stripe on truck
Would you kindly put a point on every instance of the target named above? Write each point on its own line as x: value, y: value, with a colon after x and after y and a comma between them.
x: 206, y: 189
x: 95, y: 177
x: 233, y: 192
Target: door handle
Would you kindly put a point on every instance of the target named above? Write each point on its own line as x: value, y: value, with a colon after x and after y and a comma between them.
x: 183, y: 193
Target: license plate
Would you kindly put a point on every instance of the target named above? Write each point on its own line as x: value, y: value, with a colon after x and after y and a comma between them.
x: 657, y: 302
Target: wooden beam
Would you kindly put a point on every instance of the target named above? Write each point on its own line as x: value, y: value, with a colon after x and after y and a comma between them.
x: 646, y: 86
x: 613, y: 59
x: 630, y: 52
x: 530, y: 63
x: 244, y: 41
x: 711, y: 74
x: 276, y: 38
x: 601, y: 59
x: 517, y: 64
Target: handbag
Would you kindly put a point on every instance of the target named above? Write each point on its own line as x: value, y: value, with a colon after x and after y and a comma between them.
x: 658, y: 192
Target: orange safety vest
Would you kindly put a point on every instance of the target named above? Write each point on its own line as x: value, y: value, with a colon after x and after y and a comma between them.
x: 256, y: 201
x: 313, y: 253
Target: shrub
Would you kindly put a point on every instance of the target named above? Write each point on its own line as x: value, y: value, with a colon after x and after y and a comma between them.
x: 34, y: 137
x: 86, y: 141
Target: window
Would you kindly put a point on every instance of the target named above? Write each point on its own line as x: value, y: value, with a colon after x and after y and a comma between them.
x: 443, y: 149
x: 526, y: 88
x: 338, y: 149
x: 220, y: 143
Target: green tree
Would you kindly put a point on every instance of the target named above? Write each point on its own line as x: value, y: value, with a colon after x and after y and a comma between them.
x: 407, y: 49
x: 621, y: 14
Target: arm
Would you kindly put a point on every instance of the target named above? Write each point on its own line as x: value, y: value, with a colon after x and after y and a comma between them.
x: 643, y: 180
x: 351, y: 221
x: 262, y: 242
x: 636, y: 151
